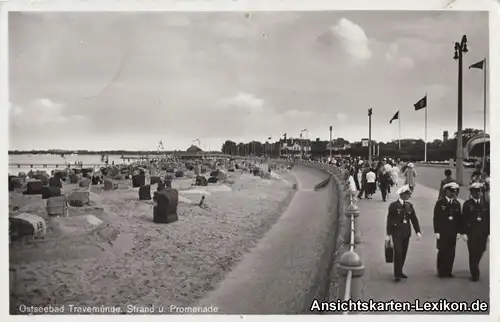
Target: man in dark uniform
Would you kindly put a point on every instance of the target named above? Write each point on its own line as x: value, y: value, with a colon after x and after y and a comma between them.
x: 447, y: 227
x: 476, y: 226
x: 401, y: 213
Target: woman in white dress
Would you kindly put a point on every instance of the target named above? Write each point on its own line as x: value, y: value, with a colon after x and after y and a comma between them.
x: 395, y: 174
x: 410, y: 175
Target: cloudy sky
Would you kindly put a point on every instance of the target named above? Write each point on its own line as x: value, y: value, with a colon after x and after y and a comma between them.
x: 128, y: 80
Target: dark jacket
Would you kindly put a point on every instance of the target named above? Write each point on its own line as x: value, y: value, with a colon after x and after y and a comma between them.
x: 476, y: 218
x: 386, y: 179
x: 399, y: 218
x: 447, y: 217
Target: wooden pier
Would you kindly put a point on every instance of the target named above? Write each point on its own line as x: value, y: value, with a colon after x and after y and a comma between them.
x: 56, y: 165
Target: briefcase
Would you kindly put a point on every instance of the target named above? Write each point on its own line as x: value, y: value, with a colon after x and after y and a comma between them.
x: 389, y: 252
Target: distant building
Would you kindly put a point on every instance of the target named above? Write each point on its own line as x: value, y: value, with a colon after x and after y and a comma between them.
x: 194, y: 148
x: 295, y: 147
x: 445, y: 136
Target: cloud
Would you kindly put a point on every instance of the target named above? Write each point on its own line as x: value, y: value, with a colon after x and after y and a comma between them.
x: 352, y: 39
x: 394, y: 57
x: 342, y: 117
x: 405, y: 63
x: 242, y: 101
x: 297, y: 114
x: 438, y: 91
x: 42, y: 112
x: 392, y: 52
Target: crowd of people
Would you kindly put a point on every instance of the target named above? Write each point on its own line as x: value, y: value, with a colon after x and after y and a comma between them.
x: 452, y: 220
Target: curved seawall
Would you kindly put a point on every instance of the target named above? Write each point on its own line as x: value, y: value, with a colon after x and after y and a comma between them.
x: 292, y: 263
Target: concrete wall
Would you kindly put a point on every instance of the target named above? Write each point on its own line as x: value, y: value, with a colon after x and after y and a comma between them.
x: 292, y: 264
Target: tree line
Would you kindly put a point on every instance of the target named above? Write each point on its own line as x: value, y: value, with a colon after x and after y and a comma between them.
x: 411, y: 149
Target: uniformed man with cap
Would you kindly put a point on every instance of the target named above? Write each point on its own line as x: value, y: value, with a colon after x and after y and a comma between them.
x: 447, y: 228
x: 476, y: 227
x: 401, y: 214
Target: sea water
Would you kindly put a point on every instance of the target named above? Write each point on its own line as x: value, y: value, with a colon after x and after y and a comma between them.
x: 22, y: 162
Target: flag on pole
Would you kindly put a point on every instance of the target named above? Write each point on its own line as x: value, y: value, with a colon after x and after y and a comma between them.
x: 478, y: 65
x: 395, y: 117
x: 421, y: 104
x: 370, y: 112
x: 304, y: 130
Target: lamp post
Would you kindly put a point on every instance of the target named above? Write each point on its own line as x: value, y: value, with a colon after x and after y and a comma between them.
x: 370, y: 112
x: 460, y: 50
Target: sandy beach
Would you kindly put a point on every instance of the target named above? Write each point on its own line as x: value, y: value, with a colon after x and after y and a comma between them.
x: 111, y: 253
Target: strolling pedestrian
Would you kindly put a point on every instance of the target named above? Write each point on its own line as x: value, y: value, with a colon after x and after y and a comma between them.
x: 477, y: 176
x: 363, y: 182
x: 476, y: 227
x: 401, y: 214
x: 395, y: 175
x: 446, y: 180
x: 410, y: 174
x: 371, y: 183
x: 387, y: 169
x: 447, y: 223
x: 385, y: 183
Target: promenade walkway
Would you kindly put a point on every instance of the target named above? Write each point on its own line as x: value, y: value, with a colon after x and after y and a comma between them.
x: 285, y: 261
x: 420, y: 266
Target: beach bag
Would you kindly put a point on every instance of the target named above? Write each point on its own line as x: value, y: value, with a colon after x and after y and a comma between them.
x: 389, y: 252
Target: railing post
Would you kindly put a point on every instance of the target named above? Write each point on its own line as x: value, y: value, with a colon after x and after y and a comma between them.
x: 350, y: 261
x: 352, y: 213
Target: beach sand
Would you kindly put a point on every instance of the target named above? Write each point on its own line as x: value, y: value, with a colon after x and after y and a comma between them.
x: 111, y: 253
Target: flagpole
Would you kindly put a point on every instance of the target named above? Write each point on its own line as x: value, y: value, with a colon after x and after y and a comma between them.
x: 484, y: 120
x: 425, y: 137
x: 399, y: 129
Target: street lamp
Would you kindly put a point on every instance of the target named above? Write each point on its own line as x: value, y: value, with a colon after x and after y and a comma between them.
x: 460, y: 49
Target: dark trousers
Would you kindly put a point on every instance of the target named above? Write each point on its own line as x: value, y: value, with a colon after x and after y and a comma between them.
x: 476, y: 246
x: 446, y: 254
x: 384, y: 189
x: 400, y: 250
x: 362, y: 190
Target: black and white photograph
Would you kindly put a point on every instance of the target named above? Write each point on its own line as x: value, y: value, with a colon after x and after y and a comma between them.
x: 249, y: 162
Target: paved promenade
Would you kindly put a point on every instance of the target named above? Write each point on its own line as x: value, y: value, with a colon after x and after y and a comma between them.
x: 420, y: 266
x: 285, y: 261
x: 431, y: 176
